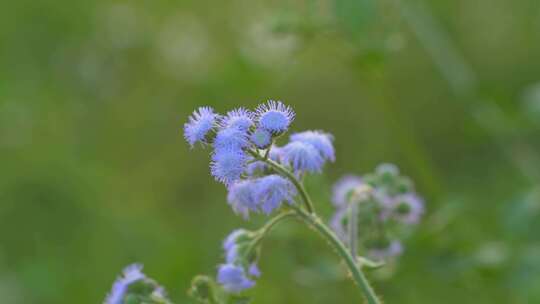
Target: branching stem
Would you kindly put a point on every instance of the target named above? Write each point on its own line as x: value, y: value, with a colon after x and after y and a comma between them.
x: 309, y: 217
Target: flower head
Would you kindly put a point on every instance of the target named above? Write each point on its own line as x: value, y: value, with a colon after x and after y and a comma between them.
x: 233, y: 237
x: 343, y: 189
x: 261, y: 138
x: 408, y: 208
x: 131, y: 273
x: 240, y: 118
x: 200, y: 123
x: 233, y: 278
x: 227, y: 166
x: 319, y: 140
x: 272, y: 190
x: 274, y: 116
x: 231, y: 139
x: 242, y: 197
x: 302, y: 157
x: 254, y: 270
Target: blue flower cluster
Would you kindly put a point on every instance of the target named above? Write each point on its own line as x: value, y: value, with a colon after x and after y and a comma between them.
x: 133, y: 284
x: 391, y: 207
x: 240, y: 269
x: 242, y: 134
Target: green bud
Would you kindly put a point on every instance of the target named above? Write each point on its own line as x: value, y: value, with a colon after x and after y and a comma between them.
x: 202, y: 289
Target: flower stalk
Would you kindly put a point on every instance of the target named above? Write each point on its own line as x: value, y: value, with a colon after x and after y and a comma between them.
x: 309, y: 217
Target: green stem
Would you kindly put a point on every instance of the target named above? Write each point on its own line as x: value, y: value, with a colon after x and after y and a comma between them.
x: 357, y: 274
x: 311, y: 219
x: 268, y: 226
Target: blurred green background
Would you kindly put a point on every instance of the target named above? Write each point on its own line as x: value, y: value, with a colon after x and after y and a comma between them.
x: 95, y: 173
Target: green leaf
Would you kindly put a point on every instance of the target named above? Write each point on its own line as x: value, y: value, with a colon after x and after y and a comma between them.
x: 367, y: 263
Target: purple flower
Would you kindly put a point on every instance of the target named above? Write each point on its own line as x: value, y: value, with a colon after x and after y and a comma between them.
x: 261, y: 138
x: 227, y: 166
x: 233, y: 278
x: 302, y: 157
x: 242, y: 197
x: 393, y: 249
x: 232, y: 238
x: 254, y: 270
x: 274, y: 116
x: 131, y: 273
x: 272, y: 190
x: 200, y: 123
x: 343, y: 188
x: 231, y: 139
x: 231, y: 255
x: 408, y: 208
x: 240, y: 118
x: 319, y: 140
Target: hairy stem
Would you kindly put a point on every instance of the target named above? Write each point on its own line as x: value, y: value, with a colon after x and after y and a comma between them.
x: 356, y: 273
x: 311, y: 219
x: 269, y: 225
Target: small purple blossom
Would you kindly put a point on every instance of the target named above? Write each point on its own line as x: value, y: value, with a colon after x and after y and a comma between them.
x: 131, y: 274
x: 261, y: 138
x: 343, y: 188
x: 240, y: 118
x: 242, y: 197
x: 232, y: 238
x: 408, y: 208
x: 254, y: 270
x: 200, y: 123
x: 272, y: 190
x: 231, y: 139
x: 319, y: 140
x: 228, y: 166
x: 233, y: 278
x: 302, y: 157
x: 231, y: 255
x: 274, y: 116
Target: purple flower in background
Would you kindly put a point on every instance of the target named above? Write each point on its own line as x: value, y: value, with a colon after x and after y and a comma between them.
x: 200, y: 123
x: 261, y: 138
x: 274, y: 116
x: 408, y: 208
x: 240, y: 118
x: 319, y: 140
x: 242, y: 197
x: 343, y: 188
x: 227, y: 166
x: 393, y: 249
x: 131, y: 273
x: 254, y: 270
x: 233, y: 278
x: 231, y: 139
x: 302, y: 157
x: 272, y: 190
